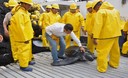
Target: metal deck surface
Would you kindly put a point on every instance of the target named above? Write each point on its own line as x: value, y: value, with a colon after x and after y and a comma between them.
x: 43, y: 69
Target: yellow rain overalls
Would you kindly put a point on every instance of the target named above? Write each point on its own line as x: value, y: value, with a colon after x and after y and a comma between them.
x: 22, y: 34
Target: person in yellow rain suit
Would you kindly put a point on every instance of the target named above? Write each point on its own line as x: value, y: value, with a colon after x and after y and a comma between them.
x: 41, y: 23
x: 53, y: 16
x: 125, y: 45
x: 88, y: 27
x: 6, y: 23
x: 48, y: 9
x: 22, y: 34
x: 106, y: 32
x: 74, y: 18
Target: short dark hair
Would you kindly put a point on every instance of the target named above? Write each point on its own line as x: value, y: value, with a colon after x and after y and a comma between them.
x: 68, y: 27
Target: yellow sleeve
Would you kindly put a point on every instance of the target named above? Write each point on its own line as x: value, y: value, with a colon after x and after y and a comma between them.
x: 122, y: 24
x: 82, y: 20
x: 63, y: 20
x: 86, y: 22
x: 40, y: 20
x: 47, y: 20
x: 59, y: 17
x: 98, y: 24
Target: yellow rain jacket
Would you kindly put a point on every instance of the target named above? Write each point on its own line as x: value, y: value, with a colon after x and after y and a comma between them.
x: 104, y: 17
x: 51, y: 19
x: 89, y: 22
x: 21, y: 24
x: 41, y: 19
x: 76, y: 19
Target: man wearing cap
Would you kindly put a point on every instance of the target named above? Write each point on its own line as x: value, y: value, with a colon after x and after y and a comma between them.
x: 22, y: 33
x: 89, y: 26
x: 106, y: 32
x: 76, y: 19
x: 42, y: 24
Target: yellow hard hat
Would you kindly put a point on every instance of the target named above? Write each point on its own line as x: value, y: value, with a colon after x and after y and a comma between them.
x: 56, y: 6
x: 48, y: 6
x: 89, y: 4
x: 36, y: 12
x: 11, y: 3
x: 73, y: 6
x: 33, y: 16
x: 27, y: 1
x: 6, y: 4
x: 95, y: 2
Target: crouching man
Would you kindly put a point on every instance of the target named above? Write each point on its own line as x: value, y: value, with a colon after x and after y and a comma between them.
x: 55, y: 35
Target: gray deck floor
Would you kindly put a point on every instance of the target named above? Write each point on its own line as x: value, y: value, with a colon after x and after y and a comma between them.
x: 43, y: 69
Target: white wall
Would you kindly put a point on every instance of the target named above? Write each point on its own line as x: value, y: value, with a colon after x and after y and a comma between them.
x: 122, y: 8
